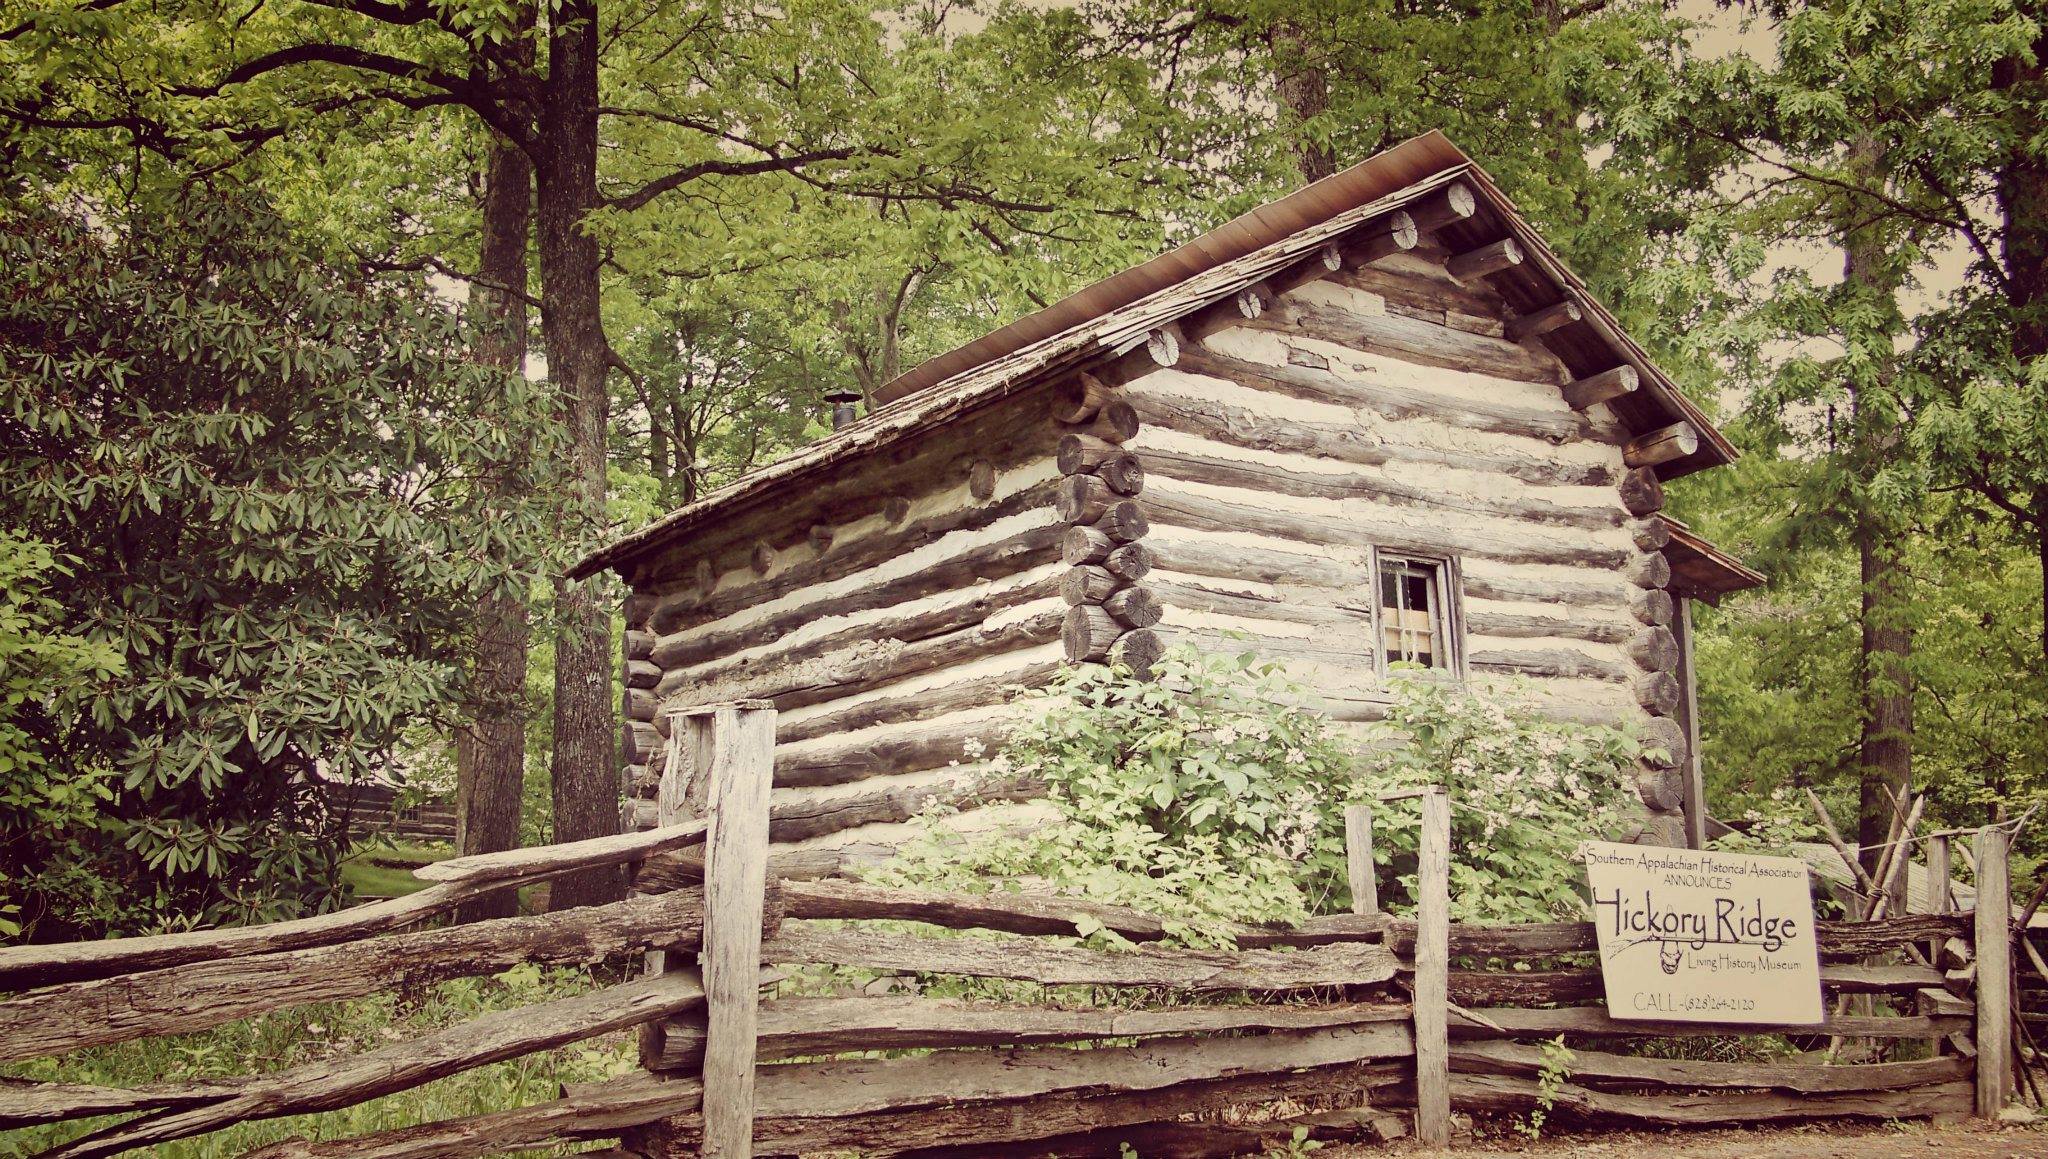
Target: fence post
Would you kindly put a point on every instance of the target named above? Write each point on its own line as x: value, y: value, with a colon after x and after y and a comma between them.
x: 1365, y: 888
x: 1433, y: 973
x: 1941, y: 896
x: 741, y: 769
x: 1939, y: 901
x: 1994, y: 972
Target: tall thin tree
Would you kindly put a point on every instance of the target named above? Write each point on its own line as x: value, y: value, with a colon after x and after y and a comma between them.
x: 490, y: 755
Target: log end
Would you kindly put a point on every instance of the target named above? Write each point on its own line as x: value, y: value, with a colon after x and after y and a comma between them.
x: 1078, y: 400
x: 981, y: 480
x: 1141, y: 650
x: 1134, y: 607
x: 1088, y: 633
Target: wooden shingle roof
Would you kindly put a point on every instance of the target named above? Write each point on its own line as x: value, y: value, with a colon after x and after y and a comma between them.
x: 1116, y: 313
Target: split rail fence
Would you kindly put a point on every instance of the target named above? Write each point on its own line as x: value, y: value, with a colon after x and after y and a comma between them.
x: 1326, y: 1026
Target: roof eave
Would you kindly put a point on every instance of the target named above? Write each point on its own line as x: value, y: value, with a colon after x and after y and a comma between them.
x: 1702, y: 570
x: 1412, y: 164
x: 1405, y: 164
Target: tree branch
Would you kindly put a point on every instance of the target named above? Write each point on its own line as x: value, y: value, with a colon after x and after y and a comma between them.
x: 428, y: 262
x: 403, y: 15
x: 469, y: 92
x: 774, y: 163
x: 90, y: 6
x: 1964, y: 222
x: 1992, y: 493
x: 1904, y: 209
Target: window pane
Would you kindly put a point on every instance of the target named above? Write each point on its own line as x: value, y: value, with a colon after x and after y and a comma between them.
x: 1410, y: 612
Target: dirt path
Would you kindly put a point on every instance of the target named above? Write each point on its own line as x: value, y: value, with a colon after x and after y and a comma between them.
x: 1966, y: 1140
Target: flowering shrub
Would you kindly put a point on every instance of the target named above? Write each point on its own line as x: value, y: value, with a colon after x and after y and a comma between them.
x: 1207, y: 794
x: 1524, y: 792
x: 1215, y: 794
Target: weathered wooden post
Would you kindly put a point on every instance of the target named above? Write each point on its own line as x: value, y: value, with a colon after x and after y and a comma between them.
x: 1940, y: 865
x: 1994, y: 972
x: 1939, y: 901
x: 1433, y: 973
x: 720, y: 767
x: 1365, y: 888
x: 741, y: 770
x: 1941, y: 897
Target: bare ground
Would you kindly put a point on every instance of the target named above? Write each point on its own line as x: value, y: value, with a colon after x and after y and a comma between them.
x: 1970, y: 1139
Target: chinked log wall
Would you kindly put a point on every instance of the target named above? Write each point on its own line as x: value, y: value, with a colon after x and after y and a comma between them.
x: 886, y: 614
x: 1368, y: 398
x: 1231, y: 472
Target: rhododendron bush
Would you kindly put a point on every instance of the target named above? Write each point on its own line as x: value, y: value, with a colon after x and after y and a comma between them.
x: 1214, y: 792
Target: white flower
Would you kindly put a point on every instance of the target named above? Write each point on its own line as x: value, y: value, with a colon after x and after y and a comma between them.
x: 973, y: 748
x: 1226, y: 736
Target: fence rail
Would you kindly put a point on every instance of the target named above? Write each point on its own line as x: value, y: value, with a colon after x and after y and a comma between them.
x: 1344, y: 1016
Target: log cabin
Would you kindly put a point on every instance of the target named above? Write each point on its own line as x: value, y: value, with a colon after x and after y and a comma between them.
x: 1374, y: 422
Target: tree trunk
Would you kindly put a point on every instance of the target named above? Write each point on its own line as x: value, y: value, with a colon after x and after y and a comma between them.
x: 586, y: 778
x: 686, y: 460
x: 658, y: 456
x: 1304, y: 89
x: 1885, y: 685
x: 490, y: 755
x: 2023, y: 237
x: 2040, y: 532
x: 2023, y: 200
x: 1884, y: 679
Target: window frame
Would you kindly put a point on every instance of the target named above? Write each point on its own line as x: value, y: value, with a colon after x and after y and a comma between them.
x: 1450, y: 611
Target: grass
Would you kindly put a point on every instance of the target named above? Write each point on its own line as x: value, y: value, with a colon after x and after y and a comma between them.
x: 384, y: 869
x: 289, y: 1038
x: 309, y: 1034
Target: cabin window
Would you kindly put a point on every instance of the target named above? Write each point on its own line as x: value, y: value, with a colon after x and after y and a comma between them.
x: 1414, y: 612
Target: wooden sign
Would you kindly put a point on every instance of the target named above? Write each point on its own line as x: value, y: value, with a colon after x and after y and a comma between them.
x: 1692, y: 936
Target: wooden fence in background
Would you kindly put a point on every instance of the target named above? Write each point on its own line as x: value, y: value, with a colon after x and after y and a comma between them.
x: 1326, y: 1026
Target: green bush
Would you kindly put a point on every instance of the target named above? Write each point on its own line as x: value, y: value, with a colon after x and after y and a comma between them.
x: 1525, y: 790
x: 1203, y: 795
x: 49, y: 803
x: 1215, y: 792
x: 268, y: 471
